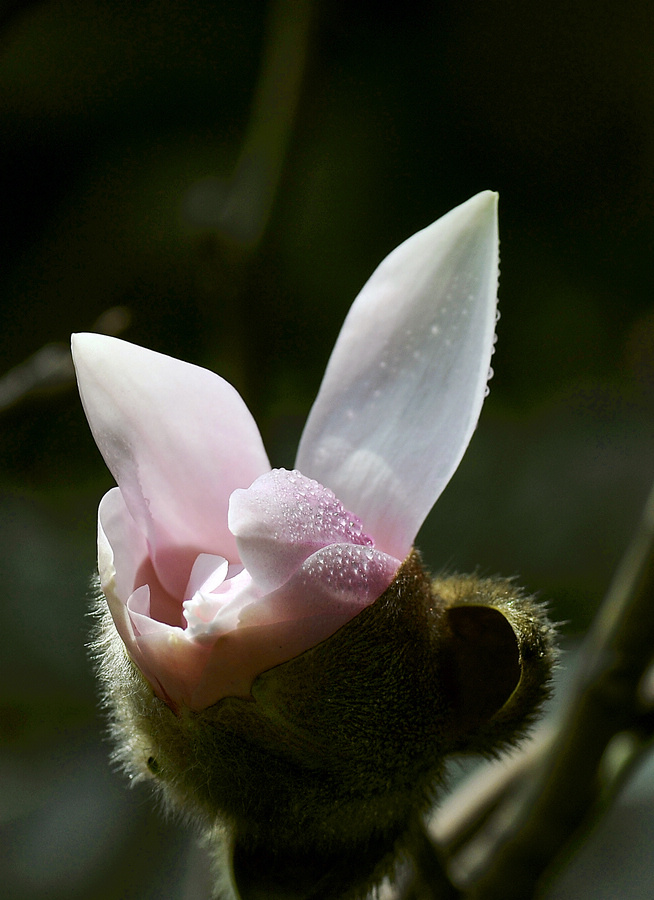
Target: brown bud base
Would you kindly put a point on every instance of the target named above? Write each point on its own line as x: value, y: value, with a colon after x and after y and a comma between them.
x: 320, y: 780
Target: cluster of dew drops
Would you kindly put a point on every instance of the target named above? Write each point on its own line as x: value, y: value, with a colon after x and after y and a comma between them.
x: 490, y: 368
x: 317, y: 508
x: 338, y: 563
x: 341, y: 567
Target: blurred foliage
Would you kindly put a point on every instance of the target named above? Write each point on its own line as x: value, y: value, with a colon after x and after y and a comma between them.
x: 115, y: 115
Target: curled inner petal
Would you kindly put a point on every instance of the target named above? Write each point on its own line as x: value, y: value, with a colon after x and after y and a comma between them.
x: 208, y: 574
x: 215, y: 595
x: 337, y: 581
x: 284, y: 517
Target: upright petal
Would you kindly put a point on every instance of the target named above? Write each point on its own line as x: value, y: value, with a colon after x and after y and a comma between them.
x: 406, y: 380
x: 178, y: 439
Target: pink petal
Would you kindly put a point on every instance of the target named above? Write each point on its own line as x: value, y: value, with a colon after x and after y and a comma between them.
x: 122, y: 549
x: 320, y: 598
x: 173, y: 664
x: 406, y: 380
x: 239, y: 656
x: 120, y: 559
x: 339, y: 580
x: 178, y: 439
x: 123, y: 557
x: 282, y: 519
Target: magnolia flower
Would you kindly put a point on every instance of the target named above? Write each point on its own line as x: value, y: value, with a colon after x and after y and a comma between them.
x: 215, y: 566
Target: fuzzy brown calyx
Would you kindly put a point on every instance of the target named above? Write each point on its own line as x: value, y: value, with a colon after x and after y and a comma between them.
x: 326, y: 728
x: 321, y: 776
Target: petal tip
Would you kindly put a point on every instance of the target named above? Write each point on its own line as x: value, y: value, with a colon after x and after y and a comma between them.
x: 77, y: 343
x: 481, y: 209
x: 80, y: 339
x: 485, y: 198
x: 89, y: 346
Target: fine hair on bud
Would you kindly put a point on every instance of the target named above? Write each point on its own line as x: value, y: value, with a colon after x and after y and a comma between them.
x: 320, y: 779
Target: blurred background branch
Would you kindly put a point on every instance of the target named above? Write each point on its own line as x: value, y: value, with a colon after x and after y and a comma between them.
x: 50, y: 369
x: 509, y: 826
x: 240, y: 207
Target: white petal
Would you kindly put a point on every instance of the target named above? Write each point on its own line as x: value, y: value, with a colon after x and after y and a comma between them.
x: 208, y: 572
x: 406, y: 380
x: 178, y: 439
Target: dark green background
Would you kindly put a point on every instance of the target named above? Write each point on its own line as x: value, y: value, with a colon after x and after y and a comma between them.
x: 109, y: 114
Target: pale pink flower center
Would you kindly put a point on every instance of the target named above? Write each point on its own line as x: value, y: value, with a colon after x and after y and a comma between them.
x: 279, y: 522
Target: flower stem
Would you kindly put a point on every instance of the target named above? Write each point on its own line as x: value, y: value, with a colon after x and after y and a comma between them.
x: 430, y: 880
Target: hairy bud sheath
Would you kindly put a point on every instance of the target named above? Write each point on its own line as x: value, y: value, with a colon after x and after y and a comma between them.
x: 337, y: 754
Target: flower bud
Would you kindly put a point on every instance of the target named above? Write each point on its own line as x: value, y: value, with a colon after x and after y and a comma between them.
x: 265, y: 655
